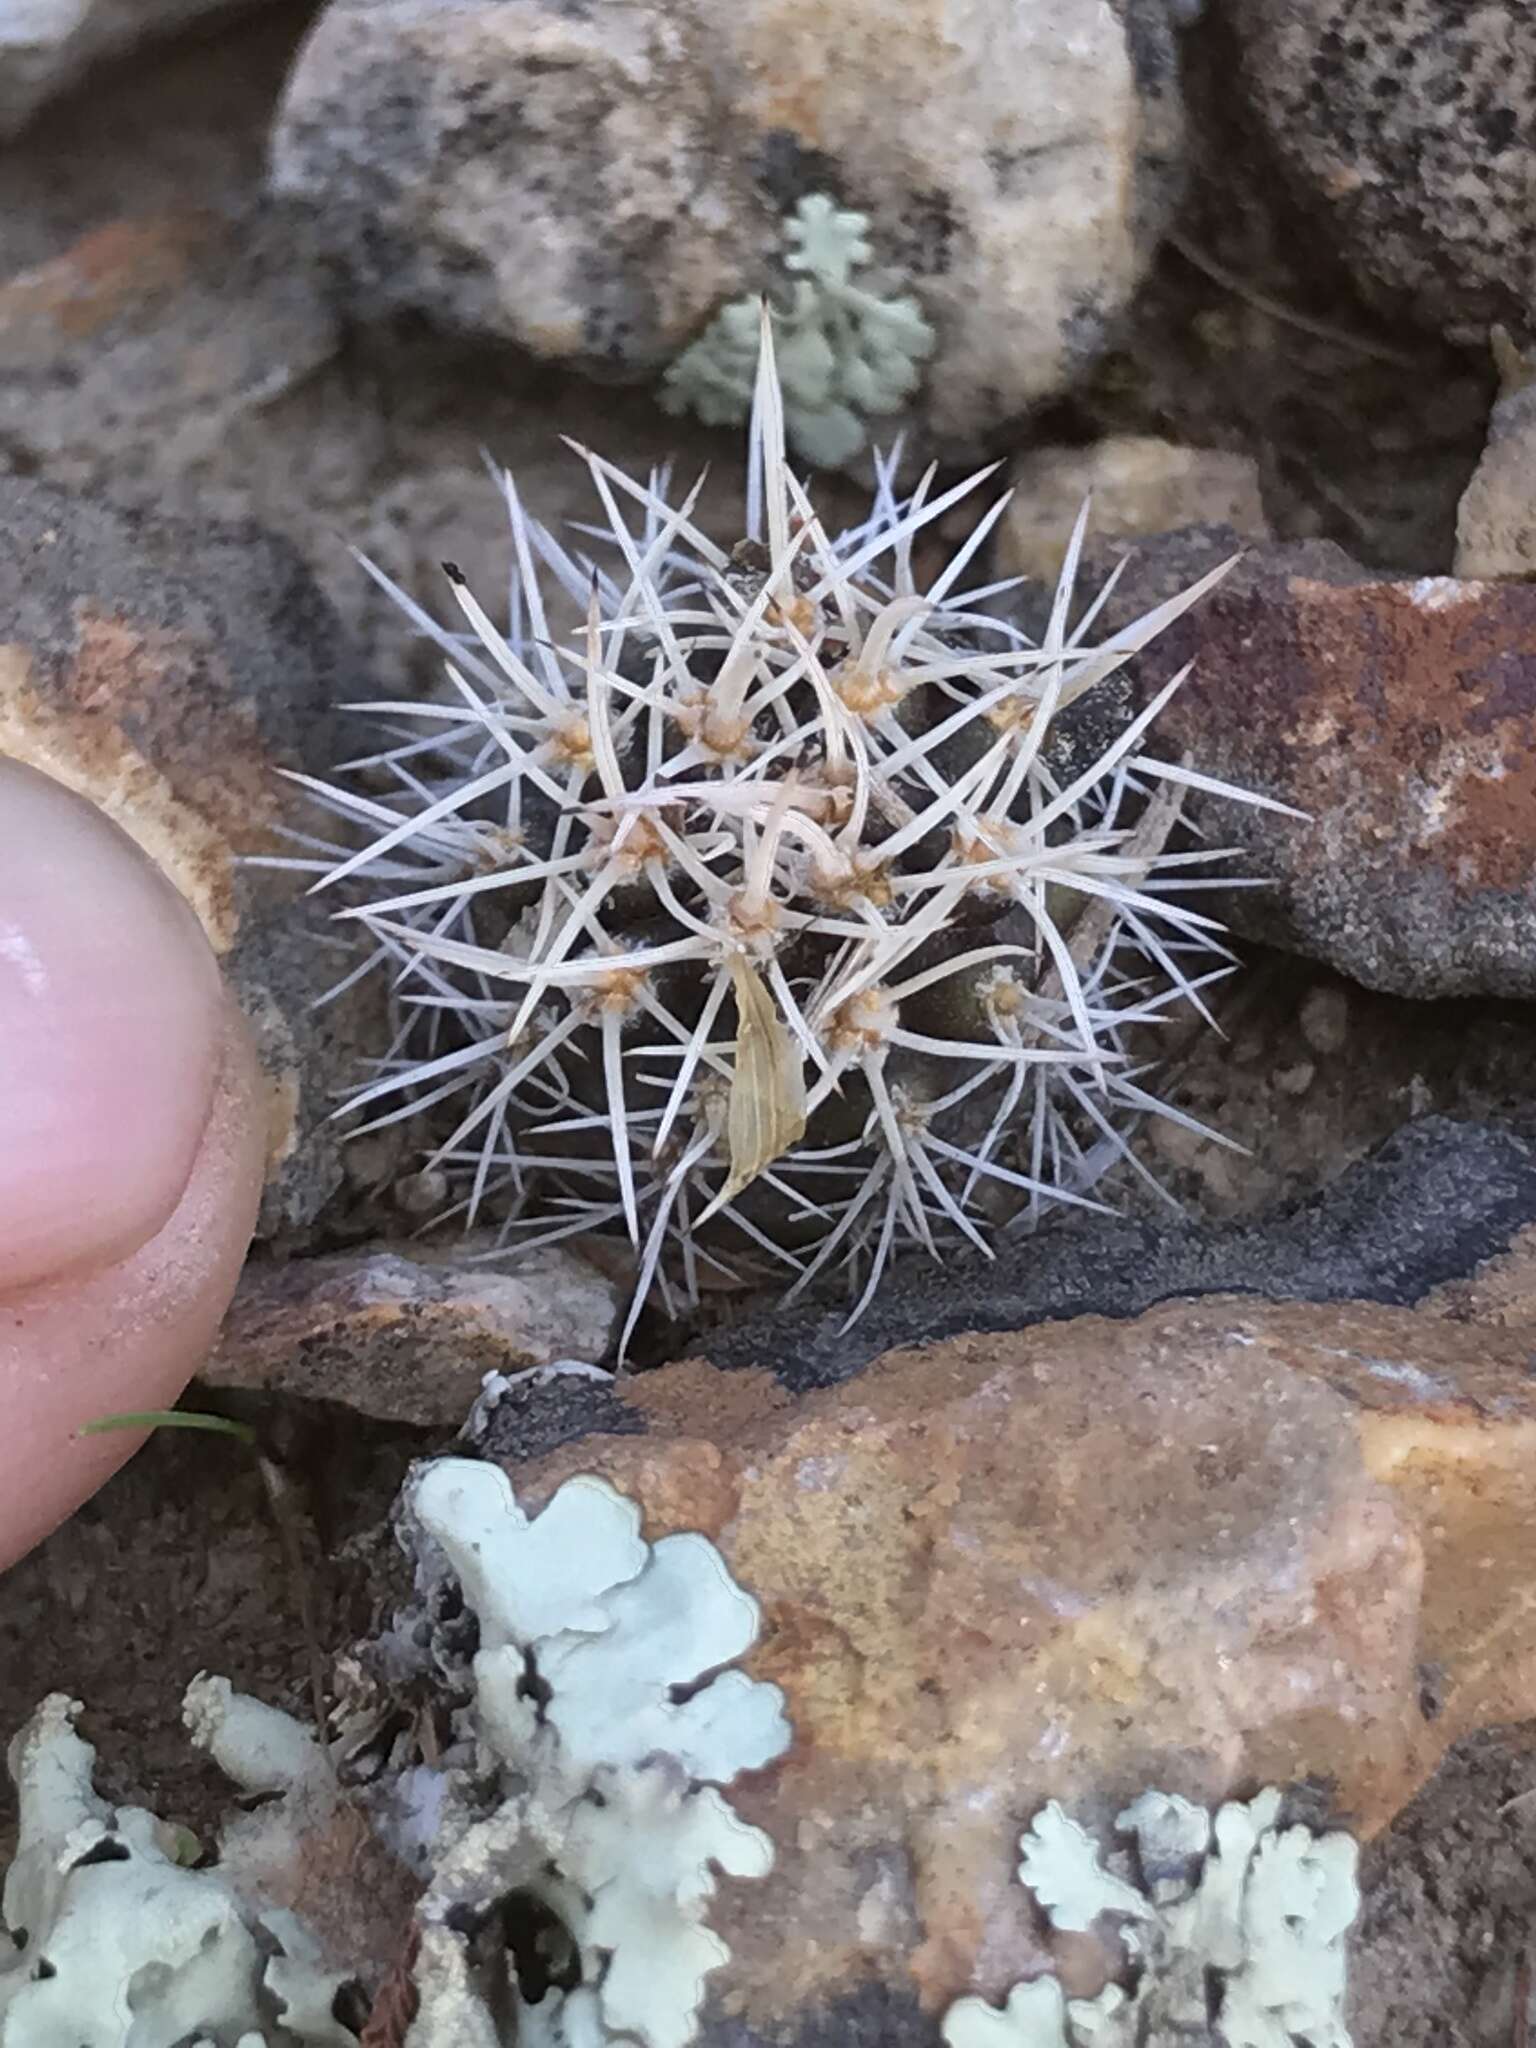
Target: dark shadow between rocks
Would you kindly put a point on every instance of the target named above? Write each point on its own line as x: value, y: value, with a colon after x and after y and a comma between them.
x: 1430, y: 1204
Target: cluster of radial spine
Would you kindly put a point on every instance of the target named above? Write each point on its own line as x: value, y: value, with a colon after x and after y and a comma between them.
x: 782, y: 761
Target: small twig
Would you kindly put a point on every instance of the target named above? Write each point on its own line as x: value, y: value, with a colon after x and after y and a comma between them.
x: 1305, y: 323
x: 278, y: 1488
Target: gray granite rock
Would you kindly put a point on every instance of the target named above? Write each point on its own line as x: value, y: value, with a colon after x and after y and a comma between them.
x: 595, y: 184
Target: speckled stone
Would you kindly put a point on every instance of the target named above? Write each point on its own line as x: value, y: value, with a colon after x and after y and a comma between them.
x: 395, y: 1332
x: 1496, y: 520
x: 593, y: 182
x: 1409, y: 128
x: 149, y: 338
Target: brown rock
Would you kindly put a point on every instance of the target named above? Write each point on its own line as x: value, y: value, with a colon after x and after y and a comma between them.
x: 166, y: 671
x: 1224, y: 1544
x: 1138, y: 485
x: 152, y: 337
x: 1401, y: 716
x: 1500, y: 1294
x: 187, y: 362
x: 405, y: 1336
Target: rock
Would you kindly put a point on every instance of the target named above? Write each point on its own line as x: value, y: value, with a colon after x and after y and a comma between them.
x: 47, y: 45
x: 1401, y: 716
x: 190, y: 362
x: 1440, y: 1204
x: 1138, y: 485
x: 1409, y: 131
x: 185, y: 125
x: 1440, y: 1952
x: 1496, y: 521
x: 1217, y: 1546
x: 150, y: 338
x: 1324, y: 1018
x: 596, y: 185
x: 1500, y: 1292
x: 405, y: 1335
x: 166, y: 671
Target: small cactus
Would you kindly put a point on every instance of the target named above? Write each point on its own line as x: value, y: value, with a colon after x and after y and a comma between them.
x: 769, y: 914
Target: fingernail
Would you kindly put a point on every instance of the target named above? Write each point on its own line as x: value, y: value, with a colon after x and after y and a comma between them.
x: 110, y: 1019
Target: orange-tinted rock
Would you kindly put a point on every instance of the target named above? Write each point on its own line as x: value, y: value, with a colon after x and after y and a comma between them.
x: 1226, y: 1544
x: 167, y: 671
x: 1401, y: 716
x: 150, y: 338
x: 1500, y: 1293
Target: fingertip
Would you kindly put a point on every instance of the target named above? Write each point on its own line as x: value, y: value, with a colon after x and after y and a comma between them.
x: 111, y: 1015
x: 129, y: 1335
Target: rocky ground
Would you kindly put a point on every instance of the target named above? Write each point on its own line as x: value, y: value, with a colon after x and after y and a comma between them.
x: 1242, y: 1497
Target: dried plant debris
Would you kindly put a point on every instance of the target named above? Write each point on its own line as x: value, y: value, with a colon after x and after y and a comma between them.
x: 785, y: 894
x: 1234, y: 1933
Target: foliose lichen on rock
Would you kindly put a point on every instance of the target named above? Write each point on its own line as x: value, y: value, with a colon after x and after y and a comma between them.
x: 850, y: 343
x: 1236, y: 1922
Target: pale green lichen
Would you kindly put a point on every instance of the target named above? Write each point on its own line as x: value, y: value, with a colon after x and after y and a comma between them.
x: 114, y: 1942
x: 850, y: 346
x: 605, y: 1720
x: 1234, y: 1912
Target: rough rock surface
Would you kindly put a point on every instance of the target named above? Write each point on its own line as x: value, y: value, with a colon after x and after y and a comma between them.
x: 1409, y: 129
x: 1401, y: 716
x: 1440, y: 1956
x: 1138, y: 485
x: 1228, y: 1542
x: 167, y: 671
x: 191, y: 362
x: 396, y: 1333
x: 154, y: 336
x: 1426, y: 1210
x: 594, y: 184
x: 1496, y: 520
x: 47, y: 45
